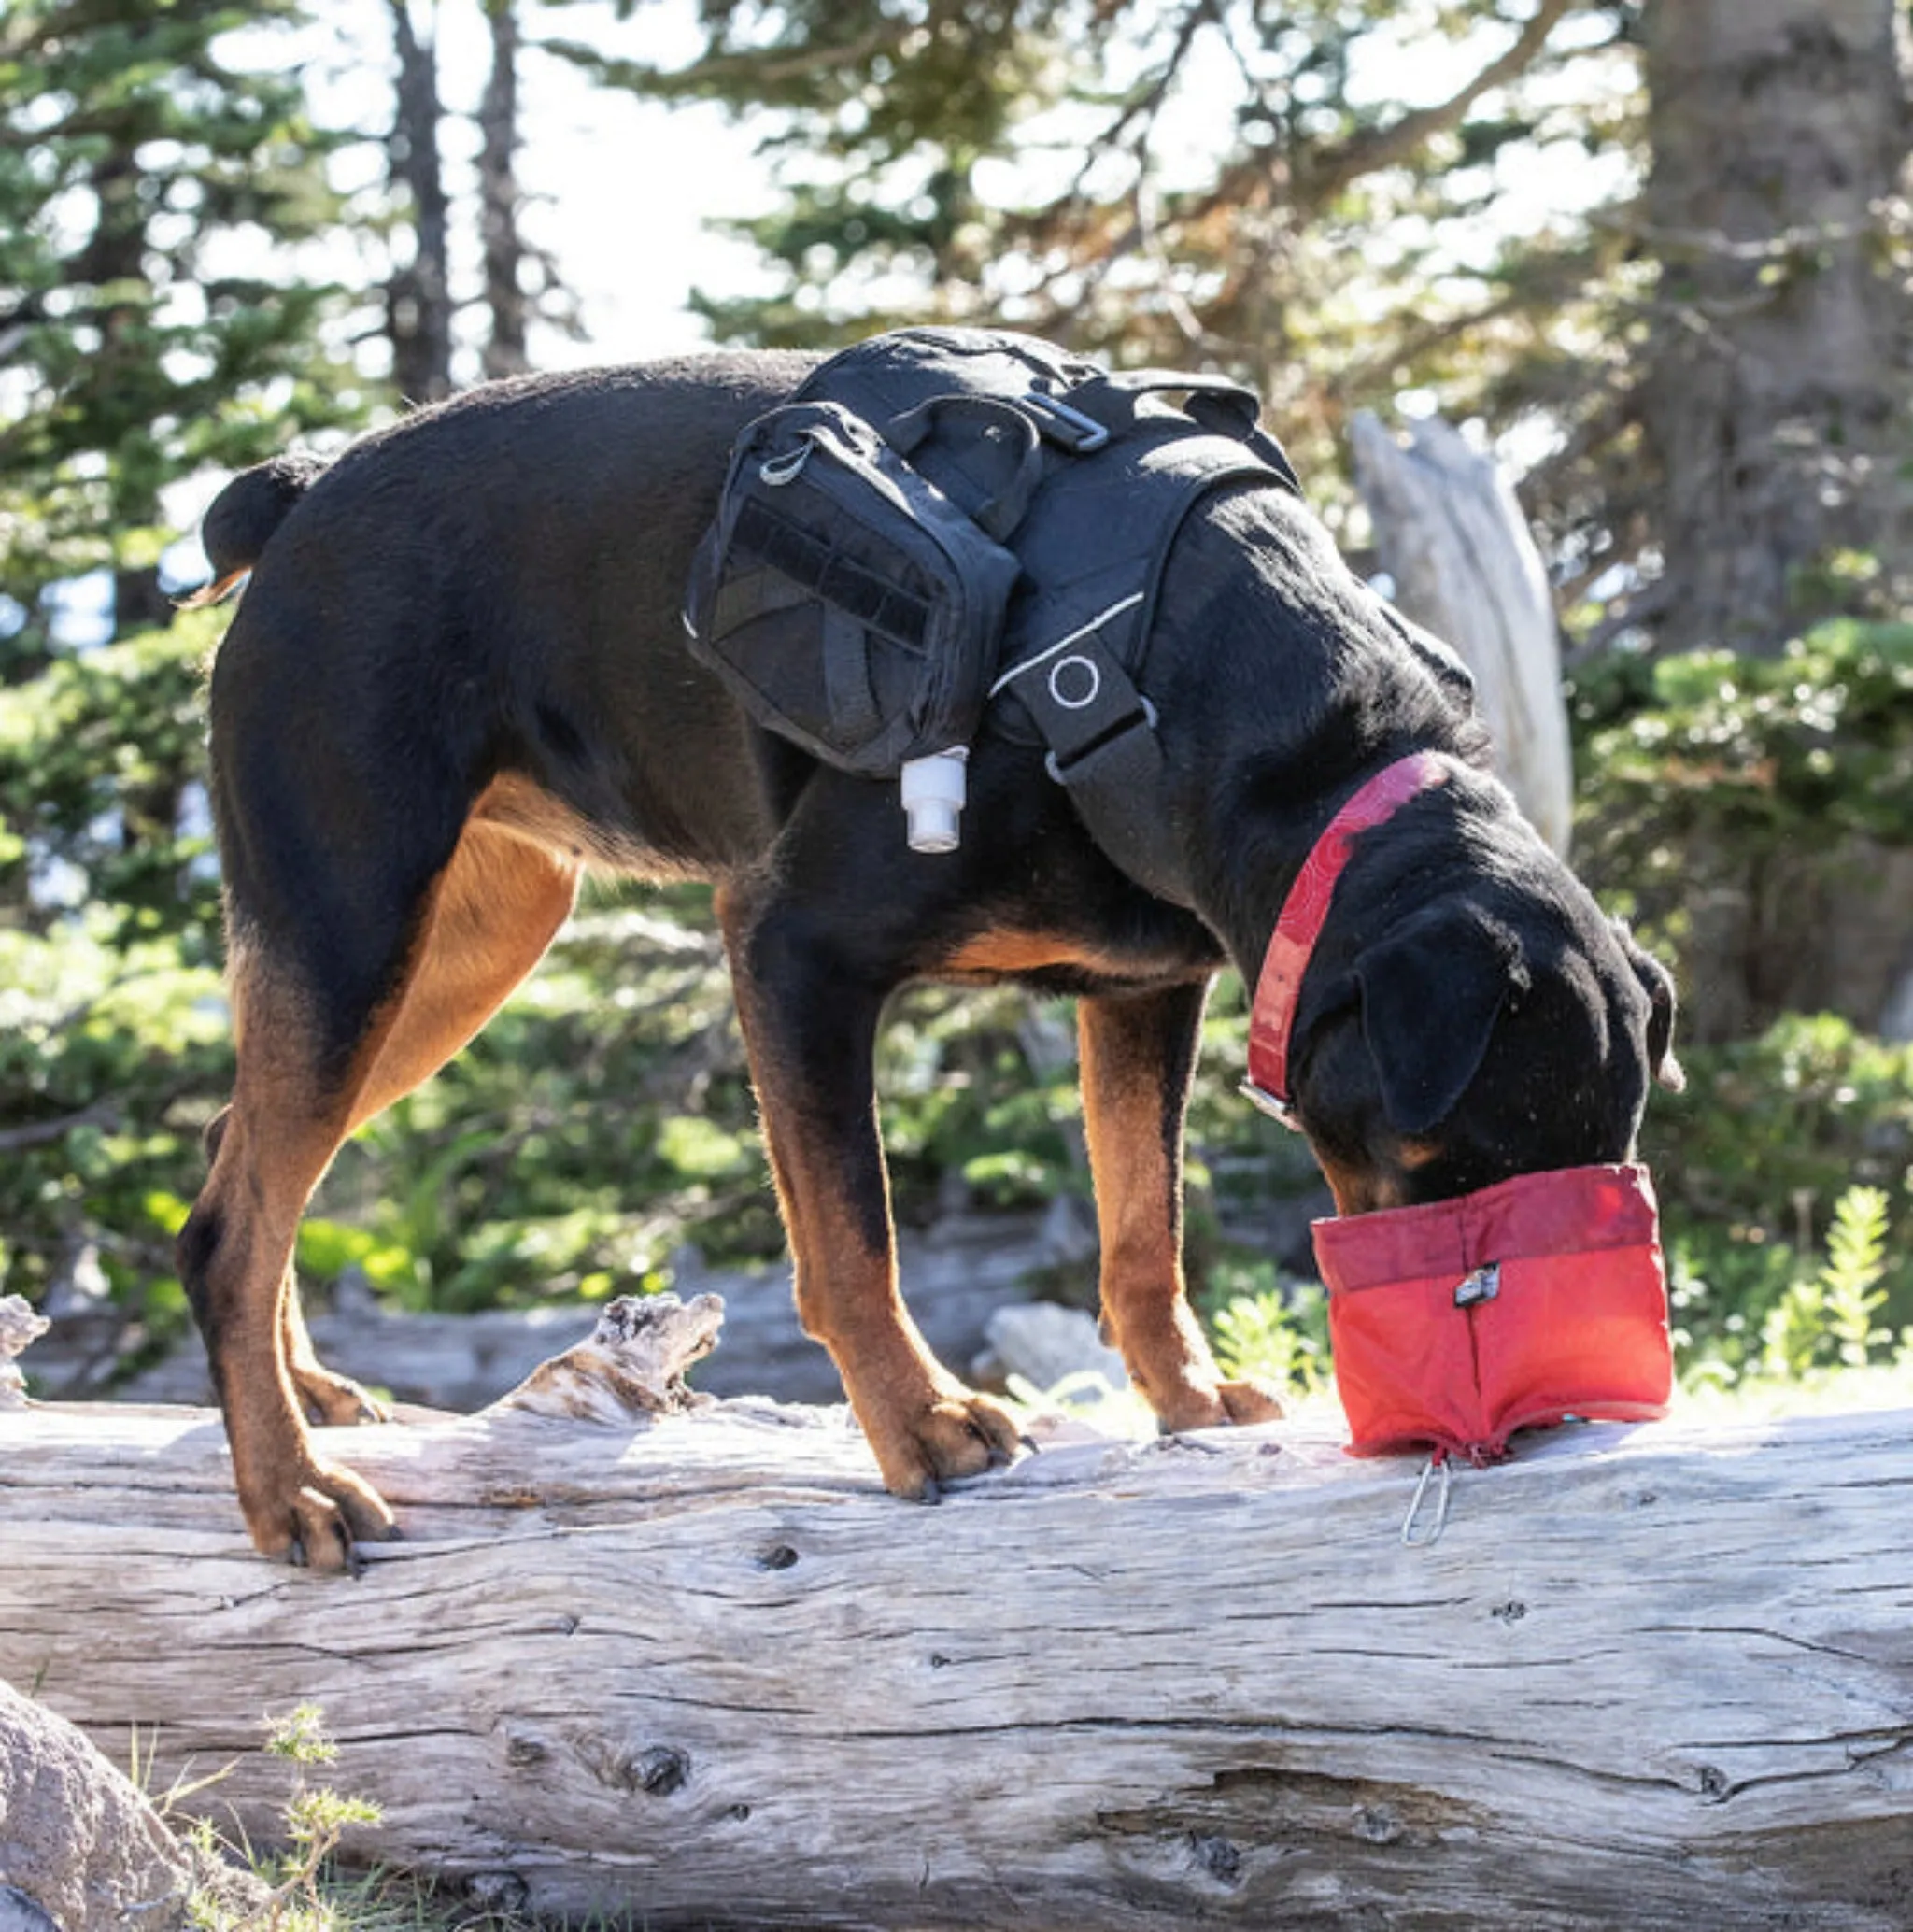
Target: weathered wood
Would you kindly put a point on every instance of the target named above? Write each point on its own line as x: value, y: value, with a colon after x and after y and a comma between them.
x: 706, y: 1671
x: 1450, y: 532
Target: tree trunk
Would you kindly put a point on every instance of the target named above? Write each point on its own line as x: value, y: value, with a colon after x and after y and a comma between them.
x: 699, y: 1668
x: 1775, y: 399
x: 1450, y: 532
x: 418, y: 305
x: 505, y: 251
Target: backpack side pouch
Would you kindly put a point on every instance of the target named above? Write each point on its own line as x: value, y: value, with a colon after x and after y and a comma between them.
x: 845, y: 601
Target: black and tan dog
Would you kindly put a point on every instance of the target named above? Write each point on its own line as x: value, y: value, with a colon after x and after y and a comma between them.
x: 458, y: 679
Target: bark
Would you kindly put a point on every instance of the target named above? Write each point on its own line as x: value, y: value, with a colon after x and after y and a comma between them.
x: 418, y: 306
x: 1775, y: 402
x: 499, y: 198
x: 697, y: 1669
x: 1450, y: 532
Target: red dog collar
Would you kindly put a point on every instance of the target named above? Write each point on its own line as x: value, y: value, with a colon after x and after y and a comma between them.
x: 1305, y: 911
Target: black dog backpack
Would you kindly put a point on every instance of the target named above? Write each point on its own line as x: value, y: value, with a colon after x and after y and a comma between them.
x: 944, y: 523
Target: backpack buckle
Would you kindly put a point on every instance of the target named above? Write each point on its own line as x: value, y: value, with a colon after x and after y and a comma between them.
x: 1083, y: 434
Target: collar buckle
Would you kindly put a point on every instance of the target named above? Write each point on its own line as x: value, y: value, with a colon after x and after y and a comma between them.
x: 1271, y: 1105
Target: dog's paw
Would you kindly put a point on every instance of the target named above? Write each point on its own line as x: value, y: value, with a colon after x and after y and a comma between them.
x: 953, y: 1434
x: 315, y: 1518
x: 336, y: 1401
x: 1244, y: 1402
x: 1250, y: 1401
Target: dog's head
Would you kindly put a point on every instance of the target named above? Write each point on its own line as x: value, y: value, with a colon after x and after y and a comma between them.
x: 1505, y: 1027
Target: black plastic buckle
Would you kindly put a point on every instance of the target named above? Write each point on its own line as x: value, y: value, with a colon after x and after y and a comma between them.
x: 1146, y: 719
x: 1084, y: 435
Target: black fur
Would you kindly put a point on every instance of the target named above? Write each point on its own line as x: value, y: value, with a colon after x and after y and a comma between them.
x: 493, y: 589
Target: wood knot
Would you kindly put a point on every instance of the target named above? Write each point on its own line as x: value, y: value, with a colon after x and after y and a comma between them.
x: 1217, y: 1858
x: 497, y: 1891
x: 1377, y: 1824
x: 655, y: 1772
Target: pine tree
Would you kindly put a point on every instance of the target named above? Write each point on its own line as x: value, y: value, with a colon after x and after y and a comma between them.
x: 154, y: 173
x: 1276, y: 191
x: 1775, y: 399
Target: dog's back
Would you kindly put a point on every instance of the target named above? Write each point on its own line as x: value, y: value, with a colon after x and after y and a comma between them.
x: 498, y: 578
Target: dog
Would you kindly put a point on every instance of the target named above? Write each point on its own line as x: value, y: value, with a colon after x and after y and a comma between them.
x: 457, y: 681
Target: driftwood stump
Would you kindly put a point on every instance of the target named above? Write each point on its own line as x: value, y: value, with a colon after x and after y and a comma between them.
x: 1450, y: 532
x: 697, y: 1669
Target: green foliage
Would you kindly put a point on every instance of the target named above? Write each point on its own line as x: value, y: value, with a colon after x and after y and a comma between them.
x: 306, y: 1893
x: 1737, y: 808
x: 1828, y: 1318
x: 152, y: 329
x: 1748, y: 754
x: 1772, y: 1135
x: 113, y: 1055
x: 97, y: 755
x: 1287, y: 192
x: 1792, y: 1324
x: 1258, y: 1327
x: 1797, y: 1114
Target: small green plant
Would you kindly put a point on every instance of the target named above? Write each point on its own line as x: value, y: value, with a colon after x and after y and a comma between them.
x: 1262, y: 1327
x: 1827, y: 1319
x: 317, y: 1818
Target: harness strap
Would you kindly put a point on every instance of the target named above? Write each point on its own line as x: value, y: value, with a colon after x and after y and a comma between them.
x: 1103, y: 751
x: 1060, y: 461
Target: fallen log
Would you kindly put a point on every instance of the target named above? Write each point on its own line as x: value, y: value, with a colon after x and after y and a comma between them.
x: 698, y: 1668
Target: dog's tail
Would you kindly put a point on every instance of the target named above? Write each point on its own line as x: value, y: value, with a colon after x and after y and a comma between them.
x: 242, y: 517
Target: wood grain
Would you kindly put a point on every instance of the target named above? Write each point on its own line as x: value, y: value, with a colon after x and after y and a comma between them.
x: 707, y: 1671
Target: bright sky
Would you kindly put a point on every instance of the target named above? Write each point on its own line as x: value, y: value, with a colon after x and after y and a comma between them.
x: 620, y: 189
x: 623, y: 192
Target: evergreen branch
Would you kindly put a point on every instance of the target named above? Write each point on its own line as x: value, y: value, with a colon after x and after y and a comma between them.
x: 1319, y: 177
x: 719, y: 73
x: 1325, y: 175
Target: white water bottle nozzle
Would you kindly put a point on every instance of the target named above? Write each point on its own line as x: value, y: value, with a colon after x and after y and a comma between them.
x: 935, y: 789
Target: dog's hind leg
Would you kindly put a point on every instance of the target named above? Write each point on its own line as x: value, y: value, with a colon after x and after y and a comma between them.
x: 1138, y: 1054
x: 810, y: 1016
x: 306, y: 1079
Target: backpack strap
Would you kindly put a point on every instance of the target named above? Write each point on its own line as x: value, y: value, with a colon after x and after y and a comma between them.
x: 1093, y: 549
x: 1103, y: 749
x: 1057, y: 458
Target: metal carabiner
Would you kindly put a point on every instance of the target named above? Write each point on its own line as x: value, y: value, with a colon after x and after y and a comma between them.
x: 1411, y: 1541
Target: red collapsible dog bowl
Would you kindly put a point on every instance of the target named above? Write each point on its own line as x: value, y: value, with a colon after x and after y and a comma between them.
x: 1457, y: 1323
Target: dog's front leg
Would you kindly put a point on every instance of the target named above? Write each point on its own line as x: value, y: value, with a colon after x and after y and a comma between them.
x: 810, y: 1022
x: 1139, y: 1054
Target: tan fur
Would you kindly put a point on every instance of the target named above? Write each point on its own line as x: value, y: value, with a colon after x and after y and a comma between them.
x: 492, y: 912
x: 1138, y: 1194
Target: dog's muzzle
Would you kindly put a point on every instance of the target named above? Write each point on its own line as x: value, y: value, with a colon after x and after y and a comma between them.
x: 1457, y: 1323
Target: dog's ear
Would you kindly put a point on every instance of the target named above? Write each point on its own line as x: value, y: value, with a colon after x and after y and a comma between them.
x: 1658, y: 983
x: 1431, y: 993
